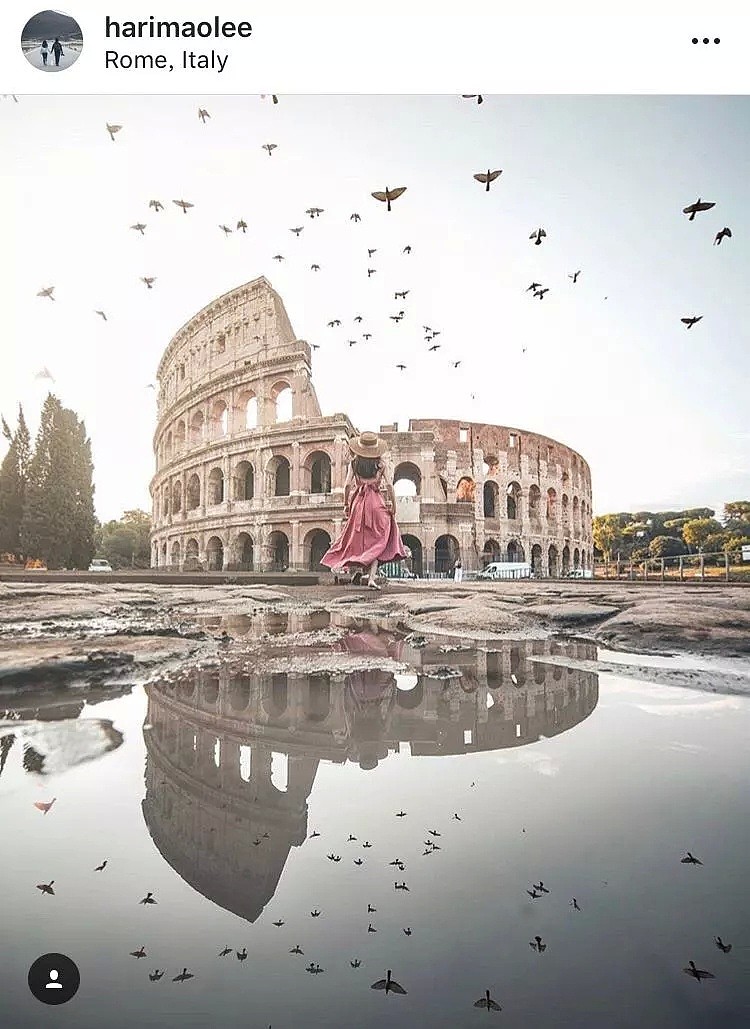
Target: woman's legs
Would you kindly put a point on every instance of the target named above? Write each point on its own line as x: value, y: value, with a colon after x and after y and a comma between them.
x: 371, y: 573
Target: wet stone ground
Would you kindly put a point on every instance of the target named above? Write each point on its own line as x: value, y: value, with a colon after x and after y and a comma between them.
x: 314, y: 795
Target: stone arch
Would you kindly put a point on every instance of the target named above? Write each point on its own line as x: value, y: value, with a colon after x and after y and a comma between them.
x: 407, y: 480
x: 465, y: 489
x: 551, y: 504
x: 494, y: 669
x: 193, y: 492
x: 215, y: 489
x: 246, y: 410
x: 315, y: 545
x: 166, y: 496
x: 447, y: 552
x: 535, y: 500
x: 275, y: 695
x: 168, y: 445
x: 175, y: 554
x: 318, y: 705
x: 565, y: 478
x: 244, y: 481
x: 490, y: 466
x: 515, y: 551
x: 219, y: 419
x: 283, y: 401
x: 278, y: 548
x: 409, y: 694
x: 576, y: 558
x: 491, y: 496
x: 177, y: 496
x: 197, y: 426
x: 417, y: 555
x: 513, y: 500
x: 518, y: 665
x: 565, y: 508
x: 180, y: 436
x: 244, y: 551
x: 490, y: 552
x: 211, y: 689
x: 317, y: 469
x: 215, y: 554
x: 163, y: 555
x: 239, y: 693
x: 278, y: 476
x: 279, y: 771
x: 536, y: 559
x: 566, y: 559
x: 576, y: 511
x: 553, y: 562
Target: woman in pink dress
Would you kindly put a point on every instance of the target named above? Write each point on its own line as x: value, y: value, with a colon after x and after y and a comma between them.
x: 370, y: 533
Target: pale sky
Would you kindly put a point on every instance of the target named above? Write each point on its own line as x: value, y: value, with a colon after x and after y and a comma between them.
x: 660, y: 412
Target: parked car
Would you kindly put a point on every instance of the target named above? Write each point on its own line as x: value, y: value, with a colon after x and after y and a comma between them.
x: 100, y: 565
x: 506, y: 570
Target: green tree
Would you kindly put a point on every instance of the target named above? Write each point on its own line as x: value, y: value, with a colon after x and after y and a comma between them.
x: 697, y: 530
x: 14, y: 473
x: 666, y: 546
x: 607, y: 533
x: 737, y: 517
x: 125, y: 542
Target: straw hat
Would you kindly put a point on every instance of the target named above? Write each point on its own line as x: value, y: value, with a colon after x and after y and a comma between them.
x: 367, y: 445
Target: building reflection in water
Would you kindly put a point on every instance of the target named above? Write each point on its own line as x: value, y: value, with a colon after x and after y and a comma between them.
x: 232, y: 757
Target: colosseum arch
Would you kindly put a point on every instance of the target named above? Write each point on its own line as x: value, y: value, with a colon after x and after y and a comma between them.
x: 163, y: 555
x: 278, y: 549
x: 553, y: 562
x: 174, y: 558
x: 491, y: 499
x: 246, y: 410
x: 318, y: 705
x: 566, y: 478
x: 215, y: 554
x: 165, y: 500
x: 219, y: 423
x: 518, y: 665
x: 275, y: 695
x: 576, y: 512
x: 197, y: 427
x: 168, y: 445
x: 566, y: 559
x: 283, y: 401
x: 239, y: 693
x: 315, y: 545
x: 244, y: 551
x: 515, y: 551
x: 278, y: 476
x: 576, y: 558
x: 193, y: 492
x: 180, y: 436
x: 177, y: 496
x: 447, y: 552
x: 513, y: 500
x: 210, y: 689
x: 551, y: 504
x: 465, y: 489
x: 490, y: 552
x: 417, y: 555
x: 244, y: 481
x: 535, y: 502
x: 215, y: 488
x: 316, y: 472
x: 565, y: 508
x: 536, y: 559
x: 407, y: 480
x: 409, y: 690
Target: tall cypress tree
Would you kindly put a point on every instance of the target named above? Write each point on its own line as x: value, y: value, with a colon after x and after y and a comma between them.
x: 82, y: 544
x: 37, y: 534
x: 13, y: 477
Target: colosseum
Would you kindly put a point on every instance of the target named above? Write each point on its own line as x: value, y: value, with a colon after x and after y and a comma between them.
x: 250, y: 474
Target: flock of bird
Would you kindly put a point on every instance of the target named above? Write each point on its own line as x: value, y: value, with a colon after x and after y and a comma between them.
x: 535, y: 891
x: 387, y: 196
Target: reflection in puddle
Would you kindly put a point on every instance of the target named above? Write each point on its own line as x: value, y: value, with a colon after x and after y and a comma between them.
x: 232, y: 756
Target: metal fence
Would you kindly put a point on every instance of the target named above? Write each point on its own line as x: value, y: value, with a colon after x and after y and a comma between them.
x: 724, y: 566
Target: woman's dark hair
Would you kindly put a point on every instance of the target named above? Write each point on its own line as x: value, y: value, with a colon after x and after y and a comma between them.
x: 365, y: 467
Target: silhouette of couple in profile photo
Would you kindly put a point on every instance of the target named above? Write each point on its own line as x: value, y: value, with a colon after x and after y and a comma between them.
x: 51, y: 41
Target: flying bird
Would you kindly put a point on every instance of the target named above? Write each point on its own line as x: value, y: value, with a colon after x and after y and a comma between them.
x: 354, y: 217
x: 47, y: 887
x: 203, y: 114
x: 406, y: 250
x: 401, y: 367
x: 334, y: 323
x: 400, y: 814
x: 278, y: 257
x: 139, y: 227
x: 278, y: 924
x: 473, y: 96
x: 270, y: 147
x: 690, y: 322
x: 47, y: 292
x: 242, y: 954
x: 149, y: 281
x: 540, y: 292
x: 402, y: 295
x: 575, y: 275
x: 314, y: 212
x: 156, y: 204
x: 314, y: 267
x: 358, y: 861
x: 101, y: 867
x: 690, y: 860
x: 699, y: 205
x: 726, y: 947
x: 315, y: 913
x: 540, y: 886
x: 112, y: 129
x: 371, y: 252
x: 388, y: 984
x: 356, y: 963
x: 389, y: 195
x: 574, y: 904
x: 366, y: 335
x: 297, y: 230
x: 538, y: 235
x: 156, y: 975
x: 148, y: 899
x: 724, y: 234
x: 371, y: 272
x: 488, y: 177
x: 371, y: 910
x: 407, y: 931
x: 242, y: 224
x: 487, y: 1002
x: 537, y: 945
x: 41, y: 805
x: 184, y: 974
x: 456, y: 364
x: 534, y: 286
x: 371, y: 928
x: 296, y: 950
x: 184, y: 204
x: 102, y: 314
x: 226, y: 230
x: 223, y: 953
x: 435, y: 346
x: 698, y: 973
x: 140, y: 953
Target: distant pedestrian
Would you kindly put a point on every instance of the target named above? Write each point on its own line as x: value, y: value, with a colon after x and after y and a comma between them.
x: 57, y: 51
x: 458, y: 571
x: 45, y: 52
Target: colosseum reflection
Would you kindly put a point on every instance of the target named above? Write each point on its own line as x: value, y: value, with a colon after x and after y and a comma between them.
x: 250, y: 475
x: 232, y: 758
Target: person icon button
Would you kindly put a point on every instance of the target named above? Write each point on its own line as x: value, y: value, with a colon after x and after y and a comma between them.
x: 54, y: 978
x: 53, y: 984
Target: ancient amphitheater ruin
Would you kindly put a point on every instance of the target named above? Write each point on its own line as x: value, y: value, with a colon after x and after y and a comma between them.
x: 250, y: 474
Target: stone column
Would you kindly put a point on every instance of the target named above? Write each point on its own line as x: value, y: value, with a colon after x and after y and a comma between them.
x: 295, y: 472
x: 296, y: 556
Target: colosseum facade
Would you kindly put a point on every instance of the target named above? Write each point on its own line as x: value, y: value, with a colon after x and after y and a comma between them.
x: 250, y: 474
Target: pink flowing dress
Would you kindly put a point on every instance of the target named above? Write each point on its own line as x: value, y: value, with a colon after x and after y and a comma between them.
x: 370, y: 533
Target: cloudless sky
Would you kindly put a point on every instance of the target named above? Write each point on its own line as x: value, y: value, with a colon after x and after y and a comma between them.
x: 660, y: 412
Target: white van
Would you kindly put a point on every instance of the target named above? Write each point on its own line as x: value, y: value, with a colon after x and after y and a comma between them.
x: 507, y: 570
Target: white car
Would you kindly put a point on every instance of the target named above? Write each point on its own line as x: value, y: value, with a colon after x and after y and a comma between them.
x: 100, y: 565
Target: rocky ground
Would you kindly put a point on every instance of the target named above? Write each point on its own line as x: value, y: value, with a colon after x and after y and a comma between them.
x: 86, y: 635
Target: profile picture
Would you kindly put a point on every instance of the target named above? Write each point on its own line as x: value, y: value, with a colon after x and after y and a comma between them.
x: 52, y: 41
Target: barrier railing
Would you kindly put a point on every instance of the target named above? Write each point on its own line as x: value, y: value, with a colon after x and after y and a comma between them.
x: 725, y: 566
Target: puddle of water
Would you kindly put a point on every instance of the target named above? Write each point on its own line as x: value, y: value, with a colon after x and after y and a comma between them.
x: 508, y: 770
